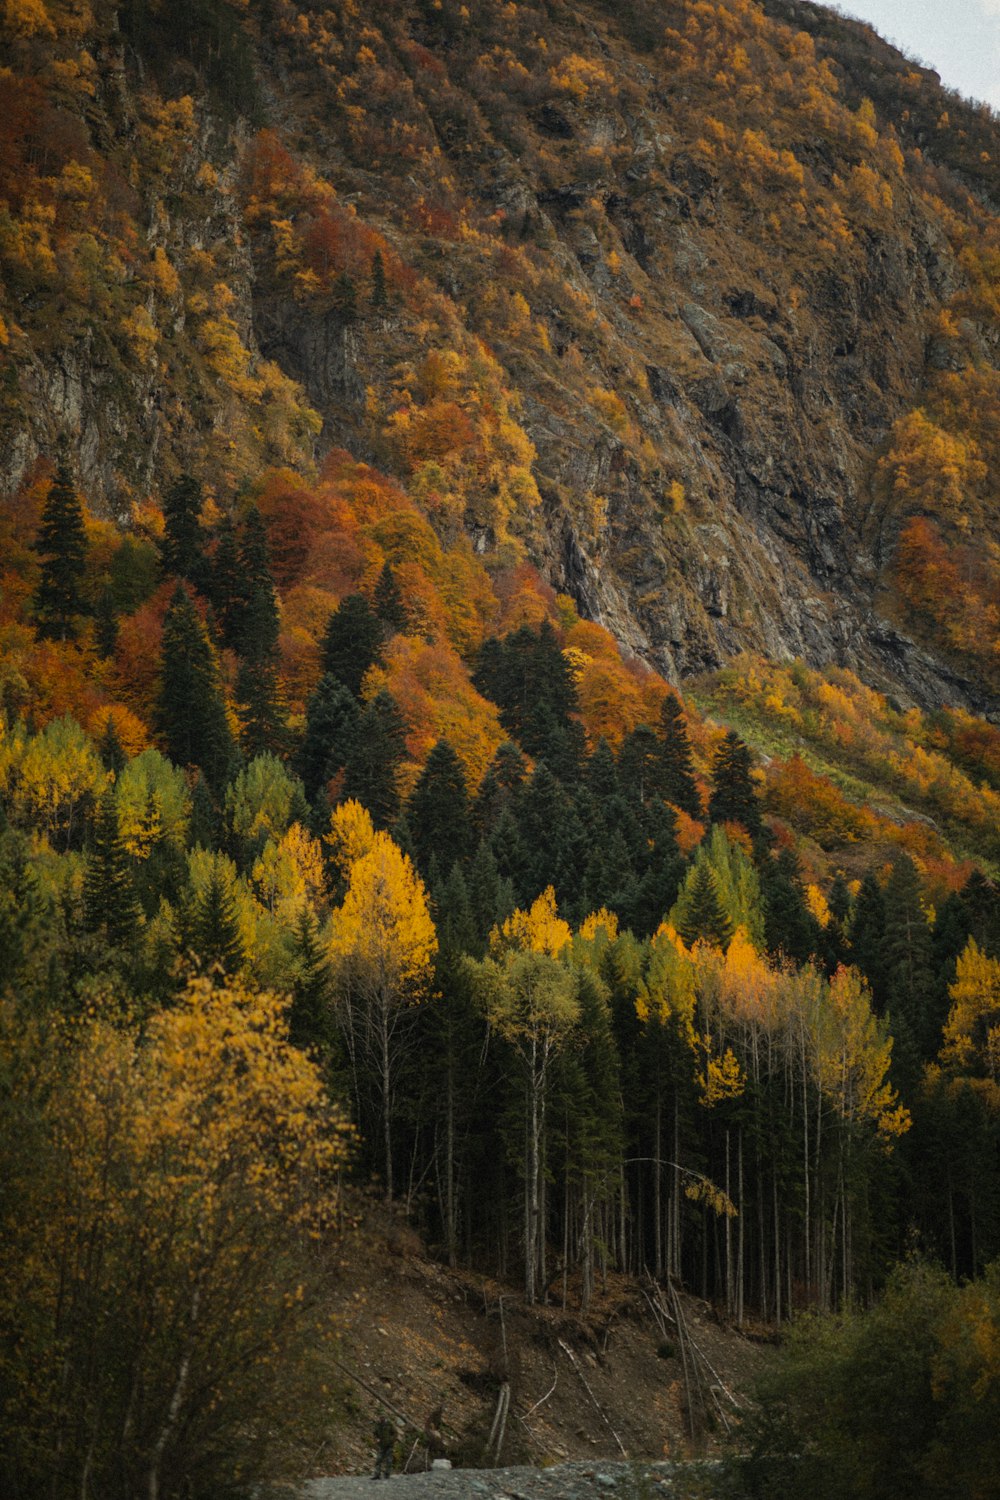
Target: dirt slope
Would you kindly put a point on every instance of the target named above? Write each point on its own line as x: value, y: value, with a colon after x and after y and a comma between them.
x: 609, y: 1385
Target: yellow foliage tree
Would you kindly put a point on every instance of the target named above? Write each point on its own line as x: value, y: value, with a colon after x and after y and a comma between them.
x: 972, y: 1032
x: 382, y: 945
x: 161, y: 1224
x: 538, y: 930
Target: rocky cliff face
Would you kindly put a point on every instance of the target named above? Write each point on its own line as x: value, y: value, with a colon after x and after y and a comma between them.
x: 708, y: 274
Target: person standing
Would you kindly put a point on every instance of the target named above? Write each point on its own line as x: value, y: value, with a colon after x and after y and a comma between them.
x: 385, y: 1442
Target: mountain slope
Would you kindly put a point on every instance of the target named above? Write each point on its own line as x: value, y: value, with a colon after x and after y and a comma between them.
x: 694, y: 303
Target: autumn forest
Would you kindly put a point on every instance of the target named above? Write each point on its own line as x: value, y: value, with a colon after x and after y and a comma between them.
x: 498, y: 709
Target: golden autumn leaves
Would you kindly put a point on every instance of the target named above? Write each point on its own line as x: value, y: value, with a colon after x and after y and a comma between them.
x: 174, y: 1192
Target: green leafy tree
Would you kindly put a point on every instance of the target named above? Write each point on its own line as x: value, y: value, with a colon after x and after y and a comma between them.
x: 736, y: 885
x: 61, y: 544
x: 262, y: 803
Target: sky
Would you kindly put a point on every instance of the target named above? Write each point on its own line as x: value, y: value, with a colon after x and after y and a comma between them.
x: 960, y: 39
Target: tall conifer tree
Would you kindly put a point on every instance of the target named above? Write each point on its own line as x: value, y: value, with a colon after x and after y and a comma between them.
x: 388, y: 603
x: 372, y: 771
x: 190, y: 712
x: 256, y: 633
x: 182, y: 549
x: 109, y: 900
x: 61, y: 544
x: 679, y: 786
x: 705, y: 919
x: 226, y: 590
x: 215, y: 933
x: 438, y: 810
x: 352, y: 642
x: 734, y: 798
x: 332, y: 716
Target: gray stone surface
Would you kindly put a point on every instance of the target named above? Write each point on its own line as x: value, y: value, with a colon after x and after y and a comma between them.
x: 569, y: 1481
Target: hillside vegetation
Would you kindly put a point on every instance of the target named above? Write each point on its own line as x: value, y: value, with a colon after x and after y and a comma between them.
x: 498, y: 579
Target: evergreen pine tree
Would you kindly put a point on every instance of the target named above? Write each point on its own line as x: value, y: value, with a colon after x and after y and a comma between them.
x: 379, y: 295
x: 106, y: 623
x: 679, y: 786
x: 25, y: 911
x: 511, y: 858
x: 214, y: 933
x: 388, y: 604
x: 372, y: 770
x: 907, y: 958
x: 181, y: 551
x: 352, y: 642
x: 601, y: 774
x: 310, y: 1019
x: 255, y: 635
x: 867, y: 928
x: 438, y: 810
x: 609, y: 879
x: 332, y: 716
x: 734, y: 799
x: 113, y: 757
x: 551, y: 839
x: 190, y: 713
x: 61, y: 544
x: 835, y: 937
x: 484, y: 889
x: 204, y: 830
x: 640, y: 766
x: 259, y: 709
x: 528, y: 678
x: 660, y: 873
x: 109, y: 901
x: 226, y: 587
x: 791, y: 929
x: 950, y: 934
x: 705, y: 920
x: 453, y: 914
x: 499, y: 788
x: 560, y: 742
x: 981, y: 900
